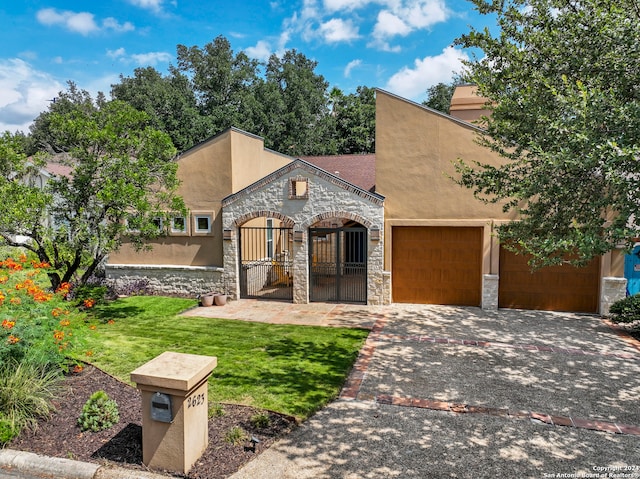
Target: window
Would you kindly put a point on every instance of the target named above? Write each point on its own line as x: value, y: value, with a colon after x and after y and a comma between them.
x: 133, y: 224
x: 158, y: 223
x: 179, y: 224
x: 202, y: 223
x: 298, y: 188
x: 270, y: 238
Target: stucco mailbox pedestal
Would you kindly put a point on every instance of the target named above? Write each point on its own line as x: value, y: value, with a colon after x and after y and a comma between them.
x: 175, y: 430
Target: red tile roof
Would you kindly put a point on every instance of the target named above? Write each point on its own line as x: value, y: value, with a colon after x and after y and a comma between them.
x: 359, y: 170
x: 58, y: 169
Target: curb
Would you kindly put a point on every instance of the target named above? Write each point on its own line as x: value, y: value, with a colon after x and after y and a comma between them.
x: 37, y: 466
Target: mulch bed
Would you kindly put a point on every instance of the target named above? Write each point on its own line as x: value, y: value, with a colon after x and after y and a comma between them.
x: 121, y: 445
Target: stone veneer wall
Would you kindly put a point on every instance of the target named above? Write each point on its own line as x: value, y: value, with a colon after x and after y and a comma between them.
x: 187, y: 281
x: 611, y: 290
x: 490, y: 283
x: 328, y: 196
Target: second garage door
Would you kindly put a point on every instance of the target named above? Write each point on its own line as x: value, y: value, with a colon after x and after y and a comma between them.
x: 437, y: 265
x: 555, y: 288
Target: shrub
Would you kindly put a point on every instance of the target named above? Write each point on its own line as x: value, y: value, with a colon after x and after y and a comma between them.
x: 260, y: 420
x: 216, y: 410
x: 235, y: 436
x: 100, y: 412
x: 138, y: 287
x: 26, y: 394
x: 626, y: 310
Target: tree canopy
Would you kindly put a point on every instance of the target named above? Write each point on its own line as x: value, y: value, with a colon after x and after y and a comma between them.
x: 563, y: 77
x: 283, y: 100
x: 121, y: 174
x: 439, y: 97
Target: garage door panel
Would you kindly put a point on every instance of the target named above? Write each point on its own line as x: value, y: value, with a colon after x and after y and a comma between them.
x: 437, y: 265
x: 554, y: 288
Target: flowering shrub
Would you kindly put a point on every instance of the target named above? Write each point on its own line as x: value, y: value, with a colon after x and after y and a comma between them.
x: 36, y: 325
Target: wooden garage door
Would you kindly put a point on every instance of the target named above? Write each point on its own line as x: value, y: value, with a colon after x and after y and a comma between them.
x: 555, y: 288
x: 437, y: 265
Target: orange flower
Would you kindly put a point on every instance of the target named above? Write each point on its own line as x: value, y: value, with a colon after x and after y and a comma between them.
x: 89, y: 302
x: 111, y: 321
x: 65, y: 322
x: 4, y: 279
x: 89, y: 353
x: 23, y: 258
x: 15, y: 301
x: 64, y: 289
x: 42, y: 297
x: 77, y: 369
x: 8, y: 324
x: 42, y: 265
x: 12, y: 339
x: 92, y: 327
x: 58, y: 335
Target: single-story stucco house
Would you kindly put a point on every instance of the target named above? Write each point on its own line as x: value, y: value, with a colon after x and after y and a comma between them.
x: 370, y: 229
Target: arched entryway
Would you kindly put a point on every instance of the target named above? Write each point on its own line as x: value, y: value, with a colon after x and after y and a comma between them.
x: 338, y: 261
x: 265, y: 247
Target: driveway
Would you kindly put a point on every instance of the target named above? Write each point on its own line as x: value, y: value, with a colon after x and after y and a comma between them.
x: 459, y: 392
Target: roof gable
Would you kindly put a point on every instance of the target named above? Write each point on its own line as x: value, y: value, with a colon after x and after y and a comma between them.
x: 311, y: 169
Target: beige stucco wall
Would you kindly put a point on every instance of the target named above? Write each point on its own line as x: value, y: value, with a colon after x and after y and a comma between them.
x: 467, y: 105
x: 208, y: 172
x: 416, y: 149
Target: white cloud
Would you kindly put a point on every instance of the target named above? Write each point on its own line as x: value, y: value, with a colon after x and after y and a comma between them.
x: 151, y: 58
x: 338, y: 30
x: 413, y: 82
x: 120, y: 52
x: 262, y: 51
x: 153, y: 5
x: 390, y: 25
x: 83, y: 23
x: 141, y: 59
x: 25, y: 94
x: 112, y: 24
x: 350, y: 66
x: 342, y: 5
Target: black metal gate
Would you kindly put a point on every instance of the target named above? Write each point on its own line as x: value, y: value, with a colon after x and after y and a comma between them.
x: 338, y: 264
x: 266, y: 262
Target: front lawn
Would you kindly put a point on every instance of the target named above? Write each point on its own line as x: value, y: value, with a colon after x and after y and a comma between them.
x: 289, y: 369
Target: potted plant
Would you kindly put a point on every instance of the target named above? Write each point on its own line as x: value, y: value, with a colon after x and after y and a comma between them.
x: 220, y: 299
x: 207, y: 299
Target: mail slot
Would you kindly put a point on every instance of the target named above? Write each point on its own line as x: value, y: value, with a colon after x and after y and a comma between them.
x: 161, y: 407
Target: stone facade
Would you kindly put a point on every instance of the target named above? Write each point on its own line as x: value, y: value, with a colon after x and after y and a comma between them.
x: 611, y: 290
x: 490, y: 283
x: 325, y: 196
x: 186, y: 281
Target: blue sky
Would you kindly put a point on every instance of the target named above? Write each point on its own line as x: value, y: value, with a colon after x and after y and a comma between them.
x: 403, y: 46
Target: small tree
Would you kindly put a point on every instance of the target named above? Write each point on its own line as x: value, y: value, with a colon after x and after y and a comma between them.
x: 122, y: 183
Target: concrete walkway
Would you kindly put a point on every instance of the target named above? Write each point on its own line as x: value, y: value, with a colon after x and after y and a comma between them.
x: 460, y: 392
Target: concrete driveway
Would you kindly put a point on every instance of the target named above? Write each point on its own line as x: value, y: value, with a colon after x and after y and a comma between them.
x: 459, y: 392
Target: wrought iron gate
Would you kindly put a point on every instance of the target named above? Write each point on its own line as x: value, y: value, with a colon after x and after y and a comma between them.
x: 266, y: 262
x: 338, y: 264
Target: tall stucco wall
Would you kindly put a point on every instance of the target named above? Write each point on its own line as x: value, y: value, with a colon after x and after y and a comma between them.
x: 416, y: 149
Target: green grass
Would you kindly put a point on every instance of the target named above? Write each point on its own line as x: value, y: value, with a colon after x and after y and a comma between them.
x: 289, y: 369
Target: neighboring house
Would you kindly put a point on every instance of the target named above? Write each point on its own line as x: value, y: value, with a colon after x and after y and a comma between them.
x: 374, y: 229
x: 40, y: 180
